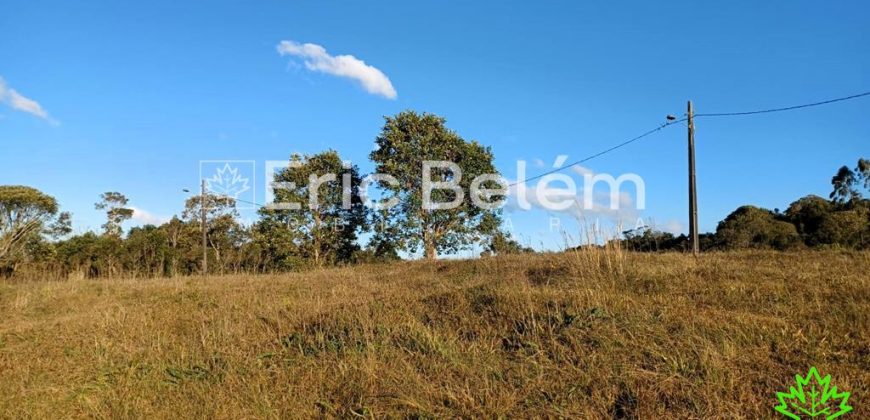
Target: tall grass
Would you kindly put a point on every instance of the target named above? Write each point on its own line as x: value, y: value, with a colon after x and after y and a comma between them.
x: 591, y: 333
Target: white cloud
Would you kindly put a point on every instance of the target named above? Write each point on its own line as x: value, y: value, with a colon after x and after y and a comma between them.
x: 20, y: 102
x: 672, y: 226
x: 599, y: 207
x: 581, y: 170
x: 147, y: 218
x: 317, y: 59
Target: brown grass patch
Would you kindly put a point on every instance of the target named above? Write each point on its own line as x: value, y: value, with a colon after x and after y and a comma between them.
x: 587, y: 334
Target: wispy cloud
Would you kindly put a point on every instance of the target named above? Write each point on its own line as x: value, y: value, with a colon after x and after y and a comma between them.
x: 317, y: 59
x: 147, y: 218
x: 671, y: 226
x: 582, y: 170
x: 599, y: 205
x: 19, y: 102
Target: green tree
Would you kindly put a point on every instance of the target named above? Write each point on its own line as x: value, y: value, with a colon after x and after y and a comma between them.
x: 844, y: 185
x: 381, y: 247
x: 863, y: 171
x: 646, y: 239
x: 90, y: 255
x: 147, y: 251
x: 847, y: 182
x: 405, y: 142
x: 848, y: 228
x: 384, y: 244
x: 275, y: 245
x: 808, y: 214
x: 330, y: 210
x: 224, y: 234
x: 502, y: 243
x: 753, y: 227
x: 26, y: 212
x: 116, y: 213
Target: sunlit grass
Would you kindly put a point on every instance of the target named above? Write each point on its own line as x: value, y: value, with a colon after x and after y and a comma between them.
x: 595, y: 333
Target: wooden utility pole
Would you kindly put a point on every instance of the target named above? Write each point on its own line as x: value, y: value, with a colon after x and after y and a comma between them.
x: 693, y: 196
x: 204, y: 230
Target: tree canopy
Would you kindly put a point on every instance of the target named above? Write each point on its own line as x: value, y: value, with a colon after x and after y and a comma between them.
x: 116, y: 213
x: 330, y: 210
x: 331, y: 217
x: 406, y: 142
x: 753, y: 227
x: 24, y: 211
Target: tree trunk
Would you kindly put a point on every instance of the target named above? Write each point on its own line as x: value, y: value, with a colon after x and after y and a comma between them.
x: 316, y: 238
x: 429, y: 246
x: 430, y: 252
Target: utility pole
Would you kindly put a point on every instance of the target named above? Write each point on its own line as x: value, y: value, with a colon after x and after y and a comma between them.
x: 204, y: 230
x: 693, y: 196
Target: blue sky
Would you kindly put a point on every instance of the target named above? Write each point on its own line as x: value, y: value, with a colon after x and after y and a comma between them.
x: 137, y: 93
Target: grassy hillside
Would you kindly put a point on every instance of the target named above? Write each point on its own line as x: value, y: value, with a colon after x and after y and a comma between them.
x: 585, y: 334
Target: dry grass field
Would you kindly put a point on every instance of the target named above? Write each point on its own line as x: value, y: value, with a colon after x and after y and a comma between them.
x: 587, y: 334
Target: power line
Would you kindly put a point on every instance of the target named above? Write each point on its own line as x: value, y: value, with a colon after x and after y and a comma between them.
x: 227, y: 198
x: 669, y: 123
x: 245, y: 201
x: 654, y: 130
x: 603, y: 152
x: 788, y: 108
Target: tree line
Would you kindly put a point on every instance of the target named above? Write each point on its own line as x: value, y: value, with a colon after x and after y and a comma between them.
x: 36, y: 240
x: 35, y: 235
x: 841, y: 221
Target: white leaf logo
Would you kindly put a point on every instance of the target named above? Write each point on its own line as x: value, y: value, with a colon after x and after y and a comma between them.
x: 227, y: 181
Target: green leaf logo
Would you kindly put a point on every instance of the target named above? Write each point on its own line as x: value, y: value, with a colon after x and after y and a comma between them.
x: 814, y: 397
